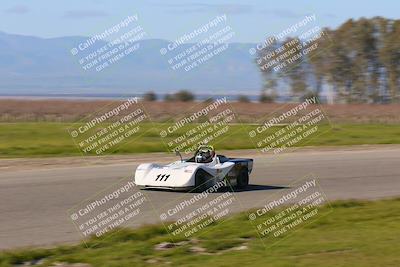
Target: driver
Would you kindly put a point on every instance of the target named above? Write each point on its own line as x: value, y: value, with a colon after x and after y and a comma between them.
x: 204, y: 155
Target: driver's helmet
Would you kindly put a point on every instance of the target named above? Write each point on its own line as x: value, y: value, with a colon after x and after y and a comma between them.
x: 204, y: 154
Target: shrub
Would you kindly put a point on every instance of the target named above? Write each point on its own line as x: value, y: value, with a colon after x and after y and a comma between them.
x: 150, y: 96
x: 243, y: 99
x: 184, y: 96
x: 264, y: 98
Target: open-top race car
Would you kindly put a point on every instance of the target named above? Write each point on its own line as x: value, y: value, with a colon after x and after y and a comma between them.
x: 201, y: 171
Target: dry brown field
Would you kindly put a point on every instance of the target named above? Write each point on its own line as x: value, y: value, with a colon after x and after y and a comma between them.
x: 13, y: 110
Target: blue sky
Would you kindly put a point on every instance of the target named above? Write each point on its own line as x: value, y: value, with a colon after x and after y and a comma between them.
x: 252, y: 20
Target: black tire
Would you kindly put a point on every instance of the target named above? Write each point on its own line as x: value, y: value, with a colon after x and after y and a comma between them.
x: 242, y: 180
x: 201, y: 184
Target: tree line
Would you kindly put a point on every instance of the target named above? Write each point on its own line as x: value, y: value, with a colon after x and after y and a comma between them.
x: 357, y: 63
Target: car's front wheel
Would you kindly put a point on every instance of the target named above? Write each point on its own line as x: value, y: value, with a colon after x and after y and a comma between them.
x: 242, y: 180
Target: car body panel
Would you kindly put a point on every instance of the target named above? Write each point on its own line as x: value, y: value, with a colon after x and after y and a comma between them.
x: 180, y: 175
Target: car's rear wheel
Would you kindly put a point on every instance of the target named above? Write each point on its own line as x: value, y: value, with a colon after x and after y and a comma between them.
x: 242, y: 180
x: 201, y: 178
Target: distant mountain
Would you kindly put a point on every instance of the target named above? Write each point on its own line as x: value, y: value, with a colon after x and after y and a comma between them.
x: 31, y: 65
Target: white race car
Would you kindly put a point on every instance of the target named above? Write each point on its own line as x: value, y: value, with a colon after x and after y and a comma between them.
x: 202, y: 171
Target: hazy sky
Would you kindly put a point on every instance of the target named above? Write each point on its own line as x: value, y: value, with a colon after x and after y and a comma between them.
x: 252, y: 20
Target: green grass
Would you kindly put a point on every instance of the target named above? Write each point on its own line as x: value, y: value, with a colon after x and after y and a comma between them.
x: 52, y: 139
x: 352, y: 234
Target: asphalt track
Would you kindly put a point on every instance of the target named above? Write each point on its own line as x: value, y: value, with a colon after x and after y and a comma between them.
x: 34, y: 203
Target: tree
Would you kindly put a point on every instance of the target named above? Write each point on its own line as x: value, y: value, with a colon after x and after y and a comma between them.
x: 265, y: 58
x: 319, y: 60
x: 267, y: 98
x: 390, y: 57
x: 359, y: 60
x: 168, y: 98
x: 150, y: 96
x: 184, y: 96
x: 296, y: 72
x: 243, y: 99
